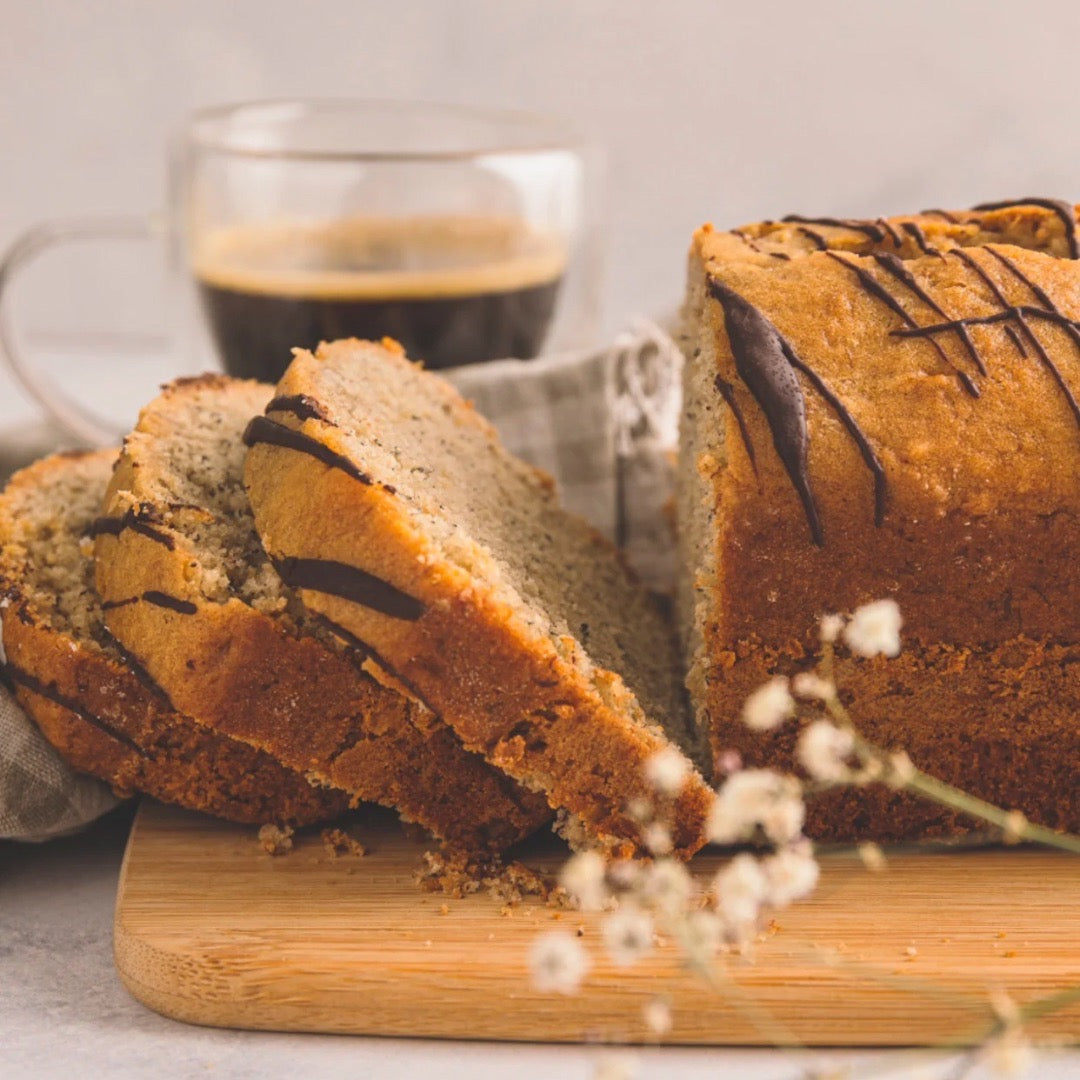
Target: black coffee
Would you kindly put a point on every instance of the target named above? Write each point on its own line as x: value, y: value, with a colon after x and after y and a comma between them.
x: 451, y: 290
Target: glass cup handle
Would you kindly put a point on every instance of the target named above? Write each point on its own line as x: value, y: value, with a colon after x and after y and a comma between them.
x: 77, y: 421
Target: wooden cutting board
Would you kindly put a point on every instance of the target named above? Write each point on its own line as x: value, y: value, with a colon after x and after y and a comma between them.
x: 211, y: 930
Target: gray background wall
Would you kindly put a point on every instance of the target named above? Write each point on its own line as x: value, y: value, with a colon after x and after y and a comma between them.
x: 710, y: 110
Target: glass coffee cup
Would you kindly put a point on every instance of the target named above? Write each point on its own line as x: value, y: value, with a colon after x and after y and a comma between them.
x: 465, y: 234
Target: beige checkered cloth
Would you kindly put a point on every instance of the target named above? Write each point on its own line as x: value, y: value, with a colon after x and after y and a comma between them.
x: 604, y: 425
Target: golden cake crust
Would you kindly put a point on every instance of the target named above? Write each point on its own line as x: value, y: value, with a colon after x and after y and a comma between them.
x: 942, y: 468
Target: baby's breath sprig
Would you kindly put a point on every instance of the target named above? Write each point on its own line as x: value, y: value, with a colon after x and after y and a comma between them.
x: 650, y: 899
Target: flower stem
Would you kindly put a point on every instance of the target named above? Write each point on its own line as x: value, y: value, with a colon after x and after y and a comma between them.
x: 922, y: 783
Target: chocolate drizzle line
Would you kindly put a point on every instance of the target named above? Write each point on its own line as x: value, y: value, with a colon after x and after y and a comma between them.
x: 172, y: 603
x: 951, y: 218
x: 763, y: 361
x: 1070, y: 328
x: 158, y: 599
x: 350, y: 583
x: 1058, y: 206
x: 876, y: 289
x: 1021, y: 313
x: 815, y: 238
x: 370, y: 652
x: 873, y: 463
x: 870, y: 229
x: 139, y: 670
x: 757, y: 248
x: 1017, y: 340
x: 300, y: 405
x: 114, y: 526
x: 897, y: 239
x: 894, y: 266
x: 767, y: 363
x: 971, y: 262
x: 22, y: 678
x: 264, y: 430
x: 914, y: 230
x: 727, y: 392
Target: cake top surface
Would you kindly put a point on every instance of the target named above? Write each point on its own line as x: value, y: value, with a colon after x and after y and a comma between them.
x: 867, y: 343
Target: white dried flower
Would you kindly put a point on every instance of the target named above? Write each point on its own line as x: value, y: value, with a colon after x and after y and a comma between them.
x: 830, y: 627
x: 666, y: 886
x: 823, y: 750
x: 874, y: 629
x: 872, y: 856
x: 812, y: 687
x: 741, y: 888
x: 628, y: 935
x: 624, y: 874
x: 582, y: 876
x: 557, y: 962
x: 1015, y: 824
x: 769, y: 705
x: 792, y: 874
x: 757, y: 798
x: 657, y: 838
x: 657, y: 1016
x: 703, y: 934
x: 728, y: 762
x: 639, y: 809
x: 667, y: 771
x: 1011, y: 1053
x: 901, y: 770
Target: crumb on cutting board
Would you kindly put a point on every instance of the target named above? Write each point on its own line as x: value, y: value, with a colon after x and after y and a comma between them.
x: 337, y: 842
x: 275, y: 839
x: 457, y: 874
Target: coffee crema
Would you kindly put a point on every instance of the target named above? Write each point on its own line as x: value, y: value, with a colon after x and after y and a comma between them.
x: 452, y: 290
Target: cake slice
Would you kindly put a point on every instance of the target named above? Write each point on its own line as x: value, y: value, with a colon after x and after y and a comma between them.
x: 105, y: 717
x: 880, y: 409
x: 189, y: 591
x: 391, y: 505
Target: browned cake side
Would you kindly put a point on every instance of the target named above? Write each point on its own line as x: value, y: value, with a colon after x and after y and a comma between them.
x: 190, y: 592
x: 391, y: 503
x: 936, y: 359
x: 74, y: 682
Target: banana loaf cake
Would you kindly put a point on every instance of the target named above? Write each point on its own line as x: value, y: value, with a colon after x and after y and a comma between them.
x: 889, y: 408
x: 189, y: 591
x: 105, y: 717
x: 392, y: 506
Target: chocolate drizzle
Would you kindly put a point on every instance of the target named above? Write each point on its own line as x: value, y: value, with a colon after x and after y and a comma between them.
x: 763, y: 361
x: 946, y: 215
x: 1064, y: 211
x: 727, y: 392
x: 894, y: 266
x: 914, y: 230
x: 350, y: 583
x: 300, y: 405
x: 158, y: 599
x: 877, y: 290
x: 171, y: 603
x: 814, y: 237
x: 135, y: 520
x: 1010, y: 311
x: 870, y: 229
x: 264, y: 430
x: 18, y: 677
x: 894, y: 236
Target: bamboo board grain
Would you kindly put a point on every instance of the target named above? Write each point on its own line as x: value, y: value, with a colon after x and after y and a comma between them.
x: 211, y: 930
